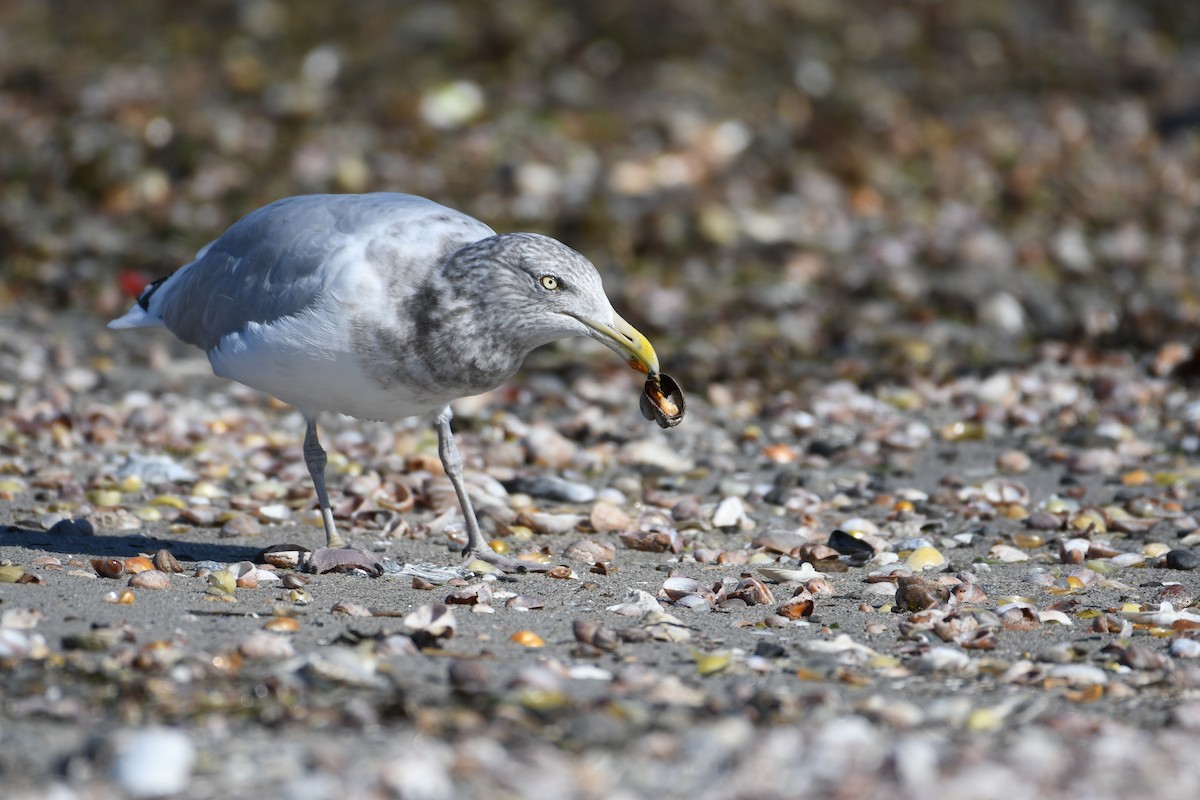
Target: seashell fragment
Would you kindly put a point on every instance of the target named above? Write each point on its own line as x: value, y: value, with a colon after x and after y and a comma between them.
x: 429, y: 623
x: 150, y: 579
x: 222, y: 583
x: 914, y: 593
x: 799, y: 606
x: 283, y: 556
x: 527, y: 638
x: 282, y: 625
x: 664, y: 627
x: 730, y: 513
x: 589, y: 551
x: 711, y: 663
x: 475, y: 594
x: 1073, y: 551
x: 658, y: 540
x: 1184, y: 648
x: 350, y: 609
x: 924, y: 558
x: 540, y: 522
x: 294, y: 580
x: 164, y: 561
x: 136, y: 564
x: 266, y: 646
x: 595, y: 635
x: 753, y: 592
x: 608, y: 518
x: 676, y: 587
x: 13, y: 574
x: 525, y: 602
x: 1007, y: 553
x: 785, y: 575
x: 108, y: 567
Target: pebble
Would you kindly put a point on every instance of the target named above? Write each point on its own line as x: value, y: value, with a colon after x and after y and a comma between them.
x: 1182, y: 559
x: 73, y: 527
x: 551, y: 487
x: 153, y: 762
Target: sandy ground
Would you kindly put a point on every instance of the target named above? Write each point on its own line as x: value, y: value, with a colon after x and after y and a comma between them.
x: 858, y: 699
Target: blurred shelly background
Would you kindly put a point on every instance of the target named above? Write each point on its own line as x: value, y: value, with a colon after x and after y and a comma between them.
x: 771, y: 188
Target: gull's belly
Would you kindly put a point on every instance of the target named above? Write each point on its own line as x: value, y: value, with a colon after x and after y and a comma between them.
x: 311, y: 366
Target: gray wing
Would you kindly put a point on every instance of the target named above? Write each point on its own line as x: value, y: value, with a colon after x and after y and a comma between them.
x: 281, y: 259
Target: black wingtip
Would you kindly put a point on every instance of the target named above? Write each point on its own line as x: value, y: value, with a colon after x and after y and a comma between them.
x: 144, y: 298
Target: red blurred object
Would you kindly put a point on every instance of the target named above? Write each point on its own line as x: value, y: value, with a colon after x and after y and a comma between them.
x: 132, y: 282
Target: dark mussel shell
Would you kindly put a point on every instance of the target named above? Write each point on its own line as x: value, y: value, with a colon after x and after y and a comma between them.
x: 662, y: 400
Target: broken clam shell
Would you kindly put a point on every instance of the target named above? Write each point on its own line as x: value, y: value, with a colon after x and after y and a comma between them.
x: 662, y: 400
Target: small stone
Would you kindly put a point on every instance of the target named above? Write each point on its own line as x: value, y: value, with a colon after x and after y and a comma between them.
x: 1043, y: 521
x: 550, y: 487
x: 153, y: 762
x: 1182, y: 559
x: 72, y: 527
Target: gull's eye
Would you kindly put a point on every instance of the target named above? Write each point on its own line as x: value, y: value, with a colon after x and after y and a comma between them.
x: 550, y: 283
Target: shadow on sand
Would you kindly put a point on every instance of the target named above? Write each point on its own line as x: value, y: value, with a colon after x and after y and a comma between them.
x: 72, y: 539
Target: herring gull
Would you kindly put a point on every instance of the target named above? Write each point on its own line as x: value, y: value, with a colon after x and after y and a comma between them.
x: 380, y: 306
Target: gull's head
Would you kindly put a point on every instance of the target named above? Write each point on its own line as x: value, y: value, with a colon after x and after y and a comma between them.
x: 555, y: 292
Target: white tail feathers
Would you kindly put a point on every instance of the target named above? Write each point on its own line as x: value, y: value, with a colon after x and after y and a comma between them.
x: 136, y: 317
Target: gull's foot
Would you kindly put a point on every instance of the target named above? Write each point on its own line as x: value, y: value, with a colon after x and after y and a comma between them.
x: 328, y: 559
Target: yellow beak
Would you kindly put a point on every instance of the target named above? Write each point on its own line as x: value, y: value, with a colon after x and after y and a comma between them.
x: 627, y: 341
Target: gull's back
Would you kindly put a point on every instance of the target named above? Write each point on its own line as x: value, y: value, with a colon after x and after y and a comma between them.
x: 275, y: 300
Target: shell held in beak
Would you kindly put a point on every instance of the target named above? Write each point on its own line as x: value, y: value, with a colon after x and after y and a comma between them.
x: 662, y: 400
